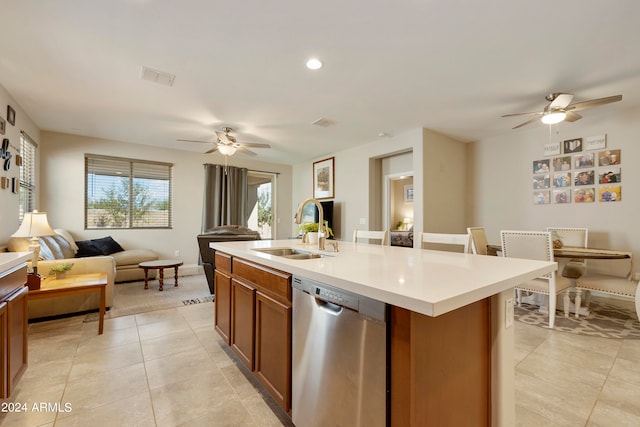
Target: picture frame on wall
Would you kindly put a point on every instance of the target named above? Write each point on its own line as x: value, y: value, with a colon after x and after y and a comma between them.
x: 3, y: 126
x: 541, y: 197
x: 572, y: 145
x: 610, y: 194
x: 408, y: 193
x: 11, y: 115
x: 609, y: 157
x: 584, y: 195
x: 595, y: 142
x: 323, y: 179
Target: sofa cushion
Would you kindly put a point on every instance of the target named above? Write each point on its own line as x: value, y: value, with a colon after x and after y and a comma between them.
x: 134, y: 256
x: 51, y: 247
x: 86, y: 249
x: 107, y: 245
x: 68, y: 237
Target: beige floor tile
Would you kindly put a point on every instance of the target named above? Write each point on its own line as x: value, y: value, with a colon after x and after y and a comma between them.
x: 262, y: 412
x: 605, y: 415
x: 29, y: 398
x: 90, y: 361
x: 46, y: 374
x: 527, y: 418
x: 238, y: 380
x: 157, y: 316
x: 170, y: 344
x: 562, y: 372
x: 179, y: 402
x: 91, y: 391
x: 232, y: 414
x: 132, y: 411
x: 622, y: 395
x: 630, y: 350
x: 170, y: 325
x: 114, y: 338
x: 178, y: 367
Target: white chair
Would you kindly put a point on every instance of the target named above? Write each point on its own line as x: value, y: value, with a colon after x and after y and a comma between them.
x: 537, y: 245
x: 609, y: 284
x: 574, y: 237
x: 371, y: 235
x: 478, y: 240
x: 463, y: 240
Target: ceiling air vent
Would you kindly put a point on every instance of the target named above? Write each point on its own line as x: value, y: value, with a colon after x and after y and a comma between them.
x: 322, y: 122
x: 156, y: 76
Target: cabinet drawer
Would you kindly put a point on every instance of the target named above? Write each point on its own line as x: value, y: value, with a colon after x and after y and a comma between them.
x: 11, y: 280
x: 273, y: 282
x: 223, y: 262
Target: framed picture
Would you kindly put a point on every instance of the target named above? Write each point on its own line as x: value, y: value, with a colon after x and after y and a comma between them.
x: 584, y: 178
x: 11, y: 115
x: 584, y: 195
x: 610, y: 194
x: 595, y: 142
x: 609, y: 175
x: 572, y: 145
x: 408, y: 193
x: 323, y: 179
x: 3, y: 126
x: 541, y: 166
x: 561, y: 196
x: 562, y: 163
x: 552, y: 149
x: 541, y: 198
x: 584, y: 160
x: 609, y: 157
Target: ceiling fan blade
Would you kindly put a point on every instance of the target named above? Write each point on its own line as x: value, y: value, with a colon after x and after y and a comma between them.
x: 254, y: 145
x: 243, y: 150
x: 190, y: 140
x: 561, y: 101
x: 572, y: 117
x: 223, y: 137
x: 522, y: 114
x: 526, y: 123
x: 213, y: 150
x: 594, y: 103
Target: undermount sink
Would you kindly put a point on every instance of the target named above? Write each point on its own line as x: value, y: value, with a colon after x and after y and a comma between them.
x: 290, y: 253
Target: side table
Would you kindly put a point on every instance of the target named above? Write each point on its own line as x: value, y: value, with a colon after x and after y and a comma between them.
x: 160, y: 265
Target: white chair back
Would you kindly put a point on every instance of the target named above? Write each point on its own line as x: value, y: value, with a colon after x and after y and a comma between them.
x: 371, y: 235
x: 463, y: 240
x: 478, y: 240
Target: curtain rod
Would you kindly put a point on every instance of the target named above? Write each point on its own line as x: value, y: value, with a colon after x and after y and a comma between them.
x: 250, y: 170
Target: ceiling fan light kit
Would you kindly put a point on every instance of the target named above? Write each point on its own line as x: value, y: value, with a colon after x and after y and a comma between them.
x: 553, y: 117
x: 227, y: 144
x: 227, y: 150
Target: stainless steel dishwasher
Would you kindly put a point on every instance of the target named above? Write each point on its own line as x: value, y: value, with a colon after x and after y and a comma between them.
x: 339, y: 357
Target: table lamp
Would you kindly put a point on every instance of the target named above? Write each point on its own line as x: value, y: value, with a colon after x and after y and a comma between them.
x: 34, y: 225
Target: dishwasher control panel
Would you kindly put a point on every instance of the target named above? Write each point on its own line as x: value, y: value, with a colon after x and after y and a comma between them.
x: 327, y: 293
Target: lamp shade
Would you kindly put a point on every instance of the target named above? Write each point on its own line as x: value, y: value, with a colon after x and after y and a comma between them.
x: 553, y: 117
x: 34, y: 224
x: 227, y: 150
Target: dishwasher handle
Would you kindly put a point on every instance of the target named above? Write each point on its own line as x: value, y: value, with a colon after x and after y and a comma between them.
x: 327, y: 307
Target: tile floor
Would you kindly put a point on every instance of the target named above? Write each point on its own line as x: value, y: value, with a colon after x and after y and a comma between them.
x: 169, y: 368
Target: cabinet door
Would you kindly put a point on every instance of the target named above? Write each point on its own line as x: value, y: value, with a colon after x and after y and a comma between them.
x: 223, y: 305
x: 17, y: 335
x: 273, y: 348
x: 243, y: 303
x: 4, y: 386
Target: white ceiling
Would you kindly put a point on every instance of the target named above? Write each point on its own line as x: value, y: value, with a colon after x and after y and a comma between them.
x: 449, y: 65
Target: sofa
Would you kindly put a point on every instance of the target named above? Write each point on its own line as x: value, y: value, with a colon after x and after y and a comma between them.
x: 220, y: 234
x: 88, y: 256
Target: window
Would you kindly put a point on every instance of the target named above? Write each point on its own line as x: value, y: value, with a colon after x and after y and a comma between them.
x: 262, y: 190
x: 27, y: 174
x: 126, y: 193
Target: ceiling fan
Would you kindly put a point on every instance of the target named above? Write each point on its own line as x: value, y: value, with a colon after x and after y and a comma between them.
x: 559, y: 109
x: 227, y: 144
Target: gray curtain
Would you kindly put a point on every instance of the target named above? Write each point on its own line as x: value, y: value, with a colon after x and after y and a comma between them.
x: 225, y: 196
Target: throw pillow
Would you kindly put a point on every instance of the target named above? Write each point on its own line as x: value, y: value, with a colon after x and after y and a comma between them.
x: 107, y: 245
x: 86, y: 249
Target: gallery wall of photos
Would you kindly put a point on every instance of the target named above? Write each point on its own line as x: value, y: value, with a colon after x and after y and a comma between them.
x: 578, y: 171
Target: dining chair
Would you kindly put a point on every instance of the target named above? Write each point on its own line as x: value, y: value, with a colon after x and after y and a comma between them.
x: 609, y: 284
x: 575, y: 237
x: 457, y: 240
x: 478, y: 240
x: 371, y: 235
x: 537, y: 245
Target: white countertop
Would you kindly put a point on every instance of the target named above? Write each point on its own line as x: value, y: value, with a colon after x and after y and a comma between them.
x: 426, y: 281
x: 8, y: 260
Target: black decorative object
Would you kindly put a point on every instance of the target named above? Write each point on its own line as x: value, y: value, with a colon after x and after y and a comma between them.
x: 11, y: 115
x: 3, y: 126
x: 5, y: 154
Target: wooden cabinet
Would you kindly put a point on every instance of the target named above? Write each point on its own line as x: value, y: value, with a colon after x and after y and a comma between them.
x: 259, y: 301
x: 13, y: 327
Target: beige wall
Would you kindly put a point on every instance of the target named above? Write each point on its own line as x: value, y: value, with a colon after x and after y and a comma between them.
x: 9, y: 202
x: 62, y: 177
x: 499, y: 188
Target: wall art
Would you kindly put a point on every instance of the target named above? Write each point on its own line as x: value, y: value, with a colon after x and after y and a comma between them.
x: 11, y: 115
x: 572, y: 145
x: 595, y: 142
x: 323, y: 179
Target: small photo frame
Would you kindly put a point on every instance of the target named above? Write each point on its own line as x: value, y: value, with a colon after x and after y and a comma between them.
x: 609, y: 175
x: 595, y: 142
x: 541, y: 166
x: 3, y: 126
x: 562, y: 179
x: 610, y: 194
x: 561, y: 196
x: 541, y: 197
x: 408, y: 193
x: 11, y: 115
x: 552, y: 149
x: 609, y: 157
x: 572, y: 145
x: 541, y: 182
x: 561, y: 163
x: 323, y: 179
x: 584, y: 195
x: 584, y: 160
x: 584, y: 178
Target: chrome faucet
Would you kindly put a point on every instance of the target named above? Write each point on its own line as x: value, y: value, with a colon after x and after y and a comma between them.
x: 321, y: 232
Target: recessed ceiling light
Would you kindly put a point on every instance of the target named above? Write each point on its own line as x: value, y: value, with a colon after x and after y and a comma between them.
x: 314, y: 64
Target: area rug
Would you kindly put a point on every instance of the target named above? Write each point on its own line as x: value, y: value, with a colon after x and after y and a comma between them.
x: 607, y: 318
x: 131, y: 297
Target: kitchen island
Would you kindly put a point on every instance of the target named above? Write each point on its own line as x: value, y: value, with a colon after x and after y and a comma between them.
x: 451, y: 334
